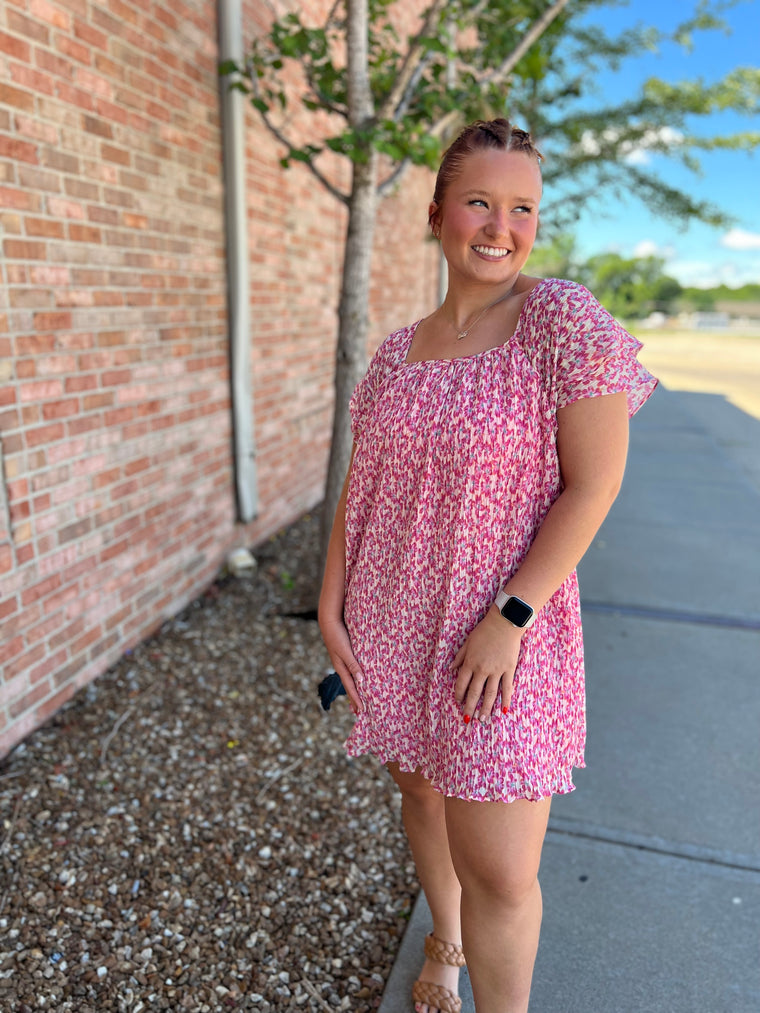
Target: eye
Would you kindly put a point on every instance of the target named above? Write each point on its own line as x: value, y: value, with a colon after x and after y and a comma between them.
x: 479, y: 200
x: 523, y: 209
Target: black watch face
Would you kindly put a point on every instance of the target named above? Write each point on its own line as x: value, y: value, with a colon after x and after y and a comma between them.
x: 517, y: 612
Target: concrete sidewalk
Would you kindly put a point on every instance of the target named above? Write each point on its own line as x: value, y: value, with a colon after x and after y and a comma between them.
x: 651, y: 869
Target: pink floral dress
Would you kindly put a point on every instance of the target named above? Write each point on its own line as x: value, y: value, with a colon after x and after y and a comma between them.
x: 455, y: 468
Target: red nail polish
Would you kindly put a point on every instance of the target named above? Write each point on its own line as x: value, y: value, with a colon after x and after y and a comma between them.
x: 505, y: 710
x: 467, y: 719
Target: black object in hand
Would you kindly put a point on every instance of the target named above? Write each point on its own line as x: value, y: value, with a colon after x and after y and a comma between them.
x: 329, y: 689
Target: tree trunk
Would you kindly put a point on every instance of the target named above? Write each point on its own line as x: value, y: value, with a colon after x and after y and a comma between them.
x: 353, y: 326
x: 353, y: 312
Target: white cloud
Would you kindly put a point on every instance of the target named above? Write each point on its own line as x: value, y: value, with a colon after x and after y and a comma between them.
x: 646, y: 248
x: 740, y: 239
x: 649, y: 248
x: 635, y: 152
x: 707, y: 274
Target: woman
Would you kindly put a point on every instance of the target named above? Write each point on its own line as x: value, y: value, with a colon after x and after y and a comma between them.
x: 490, y: 442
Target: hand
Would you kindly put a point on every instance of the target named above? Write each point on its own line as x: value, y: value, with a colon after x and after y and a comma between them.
x: 335, y: 636
x: 486, y: 662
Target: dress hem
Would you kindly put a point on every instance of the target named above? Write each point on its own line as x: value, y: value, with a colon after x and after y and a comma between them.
x: 561, y: 785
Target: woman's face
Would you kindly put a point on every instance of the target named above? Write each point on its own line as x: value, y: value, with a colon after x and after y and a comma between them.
x: 488, y: 217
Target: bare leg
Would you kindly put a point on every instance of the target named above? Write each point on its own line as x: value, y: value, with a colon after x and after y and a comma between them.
x: 424, y: 817
x: 496, y: 850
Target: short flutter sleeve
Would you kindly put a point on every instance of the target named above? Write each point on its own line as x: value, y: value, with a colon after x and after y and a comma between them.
x: 389, y: 356
x: 592, y: 354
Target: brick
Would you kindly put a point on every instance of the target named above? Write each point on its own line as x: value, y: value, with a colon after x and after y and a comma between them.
x: 62, y: 409
x: 34, y: 344
x: 50, y: 13
x: 43, y: 227
x: 22, y: 25
x: 76, y: 50
x: 60, y: 207
x: 19, y: 98
x: 113, y: 154
x: 54, y: 703
x: 21, y: 199
x: 61, y: 160
x: 6, y: 558
x: 97, y: 125
x: 79, y: 97
x: 52, y: 321
x: 78, y: 383
x: 19, y: 249
x: 73, y: 532
x: 92, y: 36
x: 18, y: 151
x: 34, y: 80
x: 82, y: 189
x: 30, y: 698
x: 85, y: 234
x: 43, y: 435
x: 15, y: 47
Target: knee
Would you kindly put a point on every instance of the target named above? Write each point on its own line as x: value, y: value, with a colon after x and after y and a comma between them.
x: 510, y: 887
x: 417, y: 792
x: 509, y: 881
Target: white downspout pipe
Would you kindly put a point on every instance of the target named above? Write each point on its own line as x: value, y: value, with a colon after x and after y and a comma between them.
x: 230, y: 21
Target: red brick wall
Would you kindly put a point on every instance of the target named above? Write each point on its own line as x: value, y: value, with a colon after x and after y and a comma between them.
x: 117, y: 502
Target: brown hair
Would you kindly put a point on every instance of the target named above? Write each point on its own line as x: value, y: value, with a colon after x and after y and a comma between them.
x: 479, y: 136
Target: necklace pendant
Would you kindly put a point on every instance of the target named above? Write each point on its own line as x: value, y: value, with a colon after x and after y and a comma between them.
x: 462, y: 334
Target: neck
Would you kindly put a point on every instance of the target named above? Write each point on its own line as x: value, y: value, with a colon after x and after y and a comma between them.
x: 464, y: 312
x: 463, y: 302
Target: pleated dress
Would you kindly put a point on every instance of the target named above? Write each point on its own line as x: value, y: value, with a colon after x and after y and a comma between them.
x: 455, y: 468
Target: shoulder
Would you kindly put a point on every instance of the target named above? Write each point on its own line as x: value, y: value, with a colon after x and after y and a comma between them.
x: 559, y: 294
x: 393, y: 349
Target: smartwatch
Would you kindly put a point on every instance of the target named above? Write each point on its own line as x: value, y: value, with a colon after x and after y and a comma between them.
x: 515, y: 610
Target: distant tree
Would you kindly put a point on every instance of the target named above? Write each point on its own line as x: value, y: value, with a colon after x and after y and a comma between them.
x: 387, y: 102
x: 665, y: 293
x: 699, y: 300
x: 630, y: 287
x: 554, y: 257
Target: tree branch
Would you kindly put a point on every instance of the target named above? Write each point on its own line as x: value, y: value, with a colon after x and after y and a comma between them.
x: 534, y: 33
x: 414, y: 56
x: 385, y: 187
x: 309, y: 163
x: 508, y: 65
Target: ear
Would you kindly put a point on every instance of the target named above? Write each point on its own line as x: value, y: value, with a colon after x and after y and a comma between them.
x: 434, y: 218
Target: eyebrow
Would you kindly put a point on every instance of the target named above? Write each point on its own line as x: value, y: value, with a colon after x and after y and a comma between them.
x: 485, y: 193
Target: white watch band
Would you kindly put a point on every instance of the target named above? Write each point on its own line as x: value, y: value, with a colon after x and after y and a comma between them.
x: 501, y: 600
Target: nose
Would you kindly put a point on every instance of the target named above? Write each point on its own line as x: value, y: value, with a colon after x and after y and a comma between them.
x: 498, y: 222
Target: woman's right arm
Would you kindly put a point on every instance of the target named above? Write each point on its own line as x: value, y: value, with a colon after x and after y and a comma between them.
x: 331, y: 625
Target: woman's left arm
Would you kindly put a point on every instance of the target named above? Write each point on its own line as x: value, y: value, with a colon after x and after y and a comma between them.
x: 592, y: 443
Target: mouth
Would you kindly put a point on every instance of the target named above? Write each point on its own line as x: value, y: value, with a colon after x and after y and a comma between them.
x: 492, y: 251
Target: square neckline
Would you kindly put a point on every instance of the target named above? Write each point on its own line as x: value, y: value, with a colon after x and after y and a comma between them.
x: 473, y: 355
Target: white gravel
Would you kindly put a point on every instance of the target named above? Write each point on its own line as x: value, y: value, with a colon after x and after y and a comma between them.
x: 188, y: 834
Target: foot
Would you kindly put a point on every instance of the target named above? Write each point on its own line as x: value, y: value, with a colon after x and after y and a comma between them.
x: 437, y: 974
x: 437, y: 988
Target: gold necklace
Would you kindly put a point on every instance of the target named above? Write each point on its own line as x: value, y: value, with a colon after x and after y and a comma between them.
x: 490, y: 306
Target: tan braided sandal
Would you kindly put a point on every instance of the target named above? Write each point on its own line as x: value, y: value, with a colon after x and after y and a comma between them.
x: 437, y: 996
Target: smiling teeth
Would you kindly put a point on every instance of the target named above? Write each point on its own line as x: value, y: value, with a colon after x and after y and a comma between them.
x: 491, y: 251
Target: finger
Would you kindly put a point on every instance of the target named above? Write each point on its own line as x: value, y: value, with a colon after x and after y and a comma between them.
x: 472, y: 697
x: 462, y: 685
x: 349, y: 682
x: 489, y: 699
x: 507, y: 686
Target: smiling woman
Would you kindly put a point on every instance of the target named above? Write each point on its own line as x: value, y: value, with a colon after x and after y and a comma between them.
x: 489, y: 442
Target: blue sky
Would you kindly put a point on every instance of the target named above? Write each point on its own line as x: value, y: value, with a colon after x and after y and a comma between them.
x: 698, y: 255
